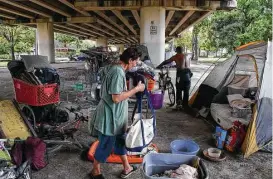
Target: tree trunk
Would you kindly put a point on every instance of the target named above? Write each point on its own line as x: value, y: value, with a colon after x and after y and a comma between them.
x: 195, y: 47
x: 12, y: 51
x: 207, y: 54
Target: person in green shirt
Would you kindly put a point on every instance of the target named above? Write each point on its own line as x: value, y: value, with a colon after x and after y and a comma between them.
x: 110, y: 119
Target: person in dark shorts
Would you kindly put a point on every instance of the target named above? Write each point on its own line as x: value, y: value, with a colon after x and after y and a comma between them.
x: 183, y: 77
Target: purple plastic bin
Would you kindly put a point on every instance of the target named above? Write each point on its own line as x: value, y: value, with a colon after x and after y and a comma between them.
x: 157, y: 99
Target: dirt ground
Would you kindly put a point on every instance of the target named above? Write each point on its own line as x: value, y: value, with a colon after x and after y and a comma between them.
x: 68, y: 163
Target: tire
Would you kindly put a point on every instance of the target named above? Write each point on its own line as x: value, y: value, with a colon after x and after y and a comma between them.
x: 29, y: 113
x: 171, y: 93
x: 159, y: 85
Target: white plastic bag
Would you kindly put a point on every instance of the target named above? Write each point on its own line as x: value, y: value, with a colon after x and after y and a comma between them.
x: 142, y: 131
x: 134, y: 139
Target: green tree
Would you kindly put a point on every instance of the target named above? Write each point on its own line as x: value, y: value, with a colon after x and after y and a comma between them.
x: 65, y: 39
x: 185, y: 40
x: 251, y: 21
x: 18, y: 38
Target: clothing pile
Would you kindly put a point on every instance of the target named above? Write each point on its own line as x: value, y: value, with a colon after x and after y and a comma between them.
x: 34, y: 69
x: 183, y: 172
x: 144, y: 68
x: 241, y: 107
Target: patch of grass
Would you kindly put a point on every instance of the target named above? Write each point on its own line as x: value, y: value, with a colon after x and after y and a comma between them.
x: 3, y: 64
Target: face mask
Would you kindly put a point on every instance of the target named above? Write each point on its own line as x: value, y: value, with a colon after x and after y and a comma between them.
x: 133, y: 69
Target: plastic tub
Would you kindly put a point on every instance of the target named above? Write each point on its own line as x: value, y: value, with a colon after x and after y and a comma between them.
x: 157, y: 98
x: 155, y: 163
x: 188, y: 147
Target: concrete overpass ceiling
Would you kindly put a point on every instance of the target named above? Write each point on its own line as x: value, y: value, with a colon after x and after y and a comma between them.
x: 113, y: 19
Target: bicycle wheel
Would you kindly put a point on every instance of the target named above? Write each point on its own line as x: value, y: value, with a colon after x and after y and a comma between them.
x: 171, y: 93
x: 159, y: 85
x: 29, y: 113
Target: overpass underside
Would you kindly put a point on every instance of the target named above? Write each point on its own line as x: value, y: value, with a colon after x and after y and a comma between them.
x: 149, y: 22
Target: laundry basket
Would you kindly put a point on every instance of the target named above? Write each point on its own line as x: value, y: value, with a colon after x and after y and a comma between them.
x: 156, y: 163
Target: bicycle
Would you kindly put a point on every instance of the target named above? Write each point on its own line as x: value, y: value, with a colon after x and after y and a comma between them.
x: 165, y: 83
x: 55, y: 134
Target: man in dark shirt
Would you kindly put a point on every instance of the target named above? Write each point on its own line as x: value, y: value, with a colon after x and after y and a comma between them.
x: 183, y: 77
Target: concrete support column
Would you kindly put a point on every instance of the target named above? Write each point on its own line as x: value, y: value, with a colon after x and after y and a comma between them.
x: 121, y: 48
x: 152, y: 32
x: 102, y: 41
x: 45, y: 41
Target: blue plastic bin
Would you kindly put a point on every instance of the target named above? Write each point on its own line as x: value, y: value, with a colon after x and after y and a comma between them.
x: 188, y: 147
x: 156, y: 163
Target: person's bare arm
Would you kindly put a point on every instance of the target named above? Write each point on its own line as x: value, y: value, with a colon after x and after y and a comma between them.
x: 124, y: 95
x: 166, y: 62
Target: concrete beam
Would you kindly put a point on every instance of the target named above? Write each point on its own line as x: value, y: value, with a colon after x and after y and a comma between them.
x: 124, y: 41
x: 131, y: 40
x: 209, y: 5
x: 69, y: 33
x: 73, y: 7
x: 136, y: 16
x: 21, y: 6
x: 136, y: 39
x: 7, y: 16
x: 88, y: 30
x: 116, y: 42
x: 182, y: 21
x: 121, y: 8
x: 114, y: 38
x: 2, y: 8
x: 169, y: 17
x: 101, y: 14
x: 89, y: 6
x: 81, y: 19
x: 86, y: 14
x: 124, y: 20
x: 109, y: 27
x: 99, y: 29
x: 72, y: 20
x: 197, y: 21
x: 74, y: 30
x: 50, y: 7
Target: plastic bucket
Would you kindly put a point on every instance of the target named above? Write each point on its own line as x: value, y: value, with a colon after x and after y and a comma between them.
x: 188, y: 147
x: 157, y: 98
x: 156, y: 163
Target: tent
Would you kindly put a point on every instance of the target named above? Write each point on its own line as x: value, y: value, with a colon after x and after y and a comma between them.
x: 248, y: 73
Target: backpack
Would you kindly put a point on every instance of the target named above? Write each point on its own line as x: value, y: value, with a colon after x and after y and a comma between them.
x: 35, y: 152
x: 17, y: 152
